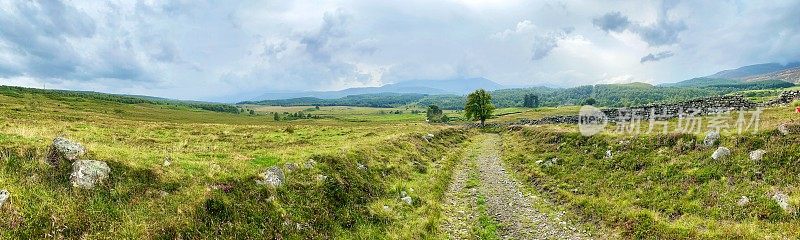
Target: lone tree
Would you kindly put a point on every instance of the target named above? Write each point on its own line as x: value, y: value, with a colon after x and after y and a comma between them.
x: 435, y: 114
x: 531, y: 101
x: 590, y: 101
x: 479, y: 106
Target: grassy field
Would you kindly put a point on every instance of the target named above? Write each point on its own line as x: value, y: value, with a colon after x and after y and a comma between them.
x: 209, y: 188
x: 666, y: 186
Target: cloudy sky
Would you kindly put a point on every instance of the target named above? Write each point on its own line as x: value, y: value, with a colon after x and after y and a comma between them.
x: 229, y: 50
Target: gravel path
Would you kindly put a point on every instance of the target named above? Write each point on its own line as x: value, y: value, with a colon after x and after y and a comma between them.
x: 515, y: 212
x: 461, y: 211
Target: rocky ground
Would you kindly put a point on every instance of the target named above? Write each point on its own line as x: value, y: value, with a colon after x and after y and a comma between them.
x: 516, y: 212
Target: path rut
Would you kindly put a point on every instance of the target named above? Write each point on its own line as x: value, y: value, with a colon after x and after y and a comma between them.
x: 514, y: 210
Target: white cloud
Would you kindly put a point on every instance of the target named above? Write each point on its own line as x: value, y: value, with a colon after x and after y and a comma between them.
x: 231, y: 50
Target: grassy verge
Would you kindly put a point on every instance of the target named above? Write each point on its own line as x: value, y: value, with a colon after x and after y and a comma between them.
x: 664, y: 186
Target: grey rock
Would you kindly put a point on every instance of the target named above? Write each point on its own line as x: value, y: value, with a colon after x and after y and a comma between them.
x: 273, y: 177
x: 67, y: 149
x: 167, y: 162
x: 407, y: 200
x: 361, y: 166
x: 743, y: 201
x: 784, y: 128
x: 721, y: 152
x: 712, y: 137
x: 757, y: 155
x: 782, y: 200
x: 87, y: 174
x: 609, y: 154
x: 291, y: 167
x: 4, y: 196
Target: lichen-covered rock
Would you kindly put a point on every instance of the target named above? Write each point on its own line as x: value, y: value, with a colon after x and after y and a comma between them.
x: 721, y: 152
x: 291, y: 167
x: 4, y: 196
x: 87, y: 174
x: 63, y: 148
x: 712, y: 137
x: 407, y: 200
x: 782, y: 200
x: 743, y: 201
x: 273, y: 177
x: 757, y: 155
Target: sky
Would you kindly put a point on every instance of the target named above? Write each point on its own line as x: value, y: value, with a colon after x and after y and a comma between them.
x: 234, y: 50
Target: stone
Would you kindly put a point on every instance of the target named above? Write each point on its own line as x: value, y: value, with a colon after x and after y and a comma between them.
x: 784, y: 128
x: 782, y: 200
x: 291, y: 167
x: 273, y: 177
x: 4, y: 196
x: 609, y: 154
x: 167, y: 162
x: 87, y: 174
x: 757, y: 155
x: 63, y: 148
x: 407, y: 200
x: 743, y: 201
x: 721, y: 152
x: 361, y: 166
x: 712, y: 137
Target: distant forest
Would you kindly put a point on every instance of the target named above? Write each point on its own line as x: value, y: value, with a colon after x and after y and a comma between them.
x: 606, y: 95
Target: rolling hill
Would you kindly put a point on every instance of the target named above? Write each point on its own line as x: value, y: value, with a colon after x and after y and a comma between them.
x: 431, y: 87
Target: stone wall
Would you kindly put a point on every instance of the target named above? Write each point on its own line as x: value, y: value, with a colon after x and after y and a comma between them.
x: 785, y: 98
x: 702, y: 106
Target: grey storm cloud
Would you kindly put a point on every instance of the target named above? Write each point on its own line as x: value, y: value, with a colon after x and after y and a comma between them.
x: 320, y: 44
x: 656, y: 57
x: 47, y: 39
x: 612, y: 22
x: 545, y: 43
x: 662, y: 32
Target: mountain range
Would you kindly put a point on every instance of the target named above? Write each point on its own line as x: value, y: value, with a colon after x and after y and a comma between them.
x: 457, y: 86
x: 753, y: 73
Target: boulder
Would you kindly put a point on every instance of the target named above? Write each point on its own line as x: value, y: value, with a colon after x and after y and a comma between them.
x: 712, y: 137
x: 4, y: 196
x: 721, y: 152
x: 609, y: 154
x: 63, y: 148
x: 273, y: 177
x: 743, y: 201
x: 87, y: 174
x: 757, y: 155
x: 782, y: 200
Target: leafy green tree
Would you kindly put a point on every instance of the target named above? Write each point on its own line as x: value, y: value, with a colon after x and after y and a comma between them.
x: 479, y: 106
x: 531, y: 101
x: 435, y: 114
x: 590, y: 101
x: 276, y: 117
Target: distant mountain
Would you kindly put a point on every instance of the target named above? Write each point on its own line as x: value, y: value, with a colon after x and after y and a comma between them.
x: 752, y: 73
x: 753, y: 70
x: 789, y: 75
x: 458, y: 86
